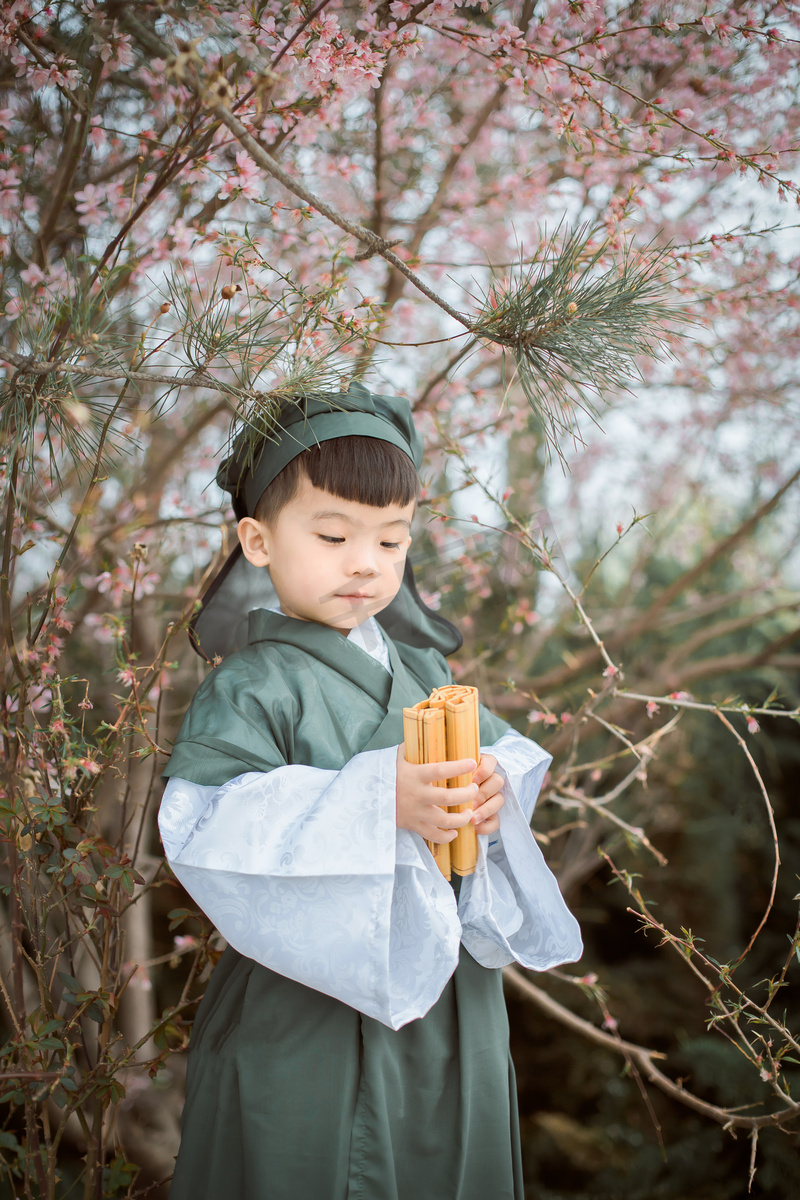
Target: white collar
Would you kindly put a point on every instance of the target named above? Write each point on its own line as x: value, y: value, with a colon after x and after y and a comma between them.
x: 369, y: 636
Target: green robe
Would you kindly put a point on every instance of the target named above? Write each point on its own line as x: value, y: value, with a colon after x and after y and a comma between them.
x: 290, y: 1093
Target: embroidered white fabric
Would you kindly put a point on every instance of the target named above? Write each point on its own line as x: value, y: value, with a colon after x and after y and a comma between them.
x: 305, y: 871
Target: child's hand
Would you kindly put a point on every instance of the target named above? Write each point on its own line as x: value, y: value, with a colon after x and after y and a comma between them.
x: 420, y: 802
x: 490, y: 796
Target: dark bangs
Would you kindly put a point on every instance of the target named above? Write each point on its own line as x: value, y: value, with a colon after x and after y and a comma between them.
x: 365, y: 469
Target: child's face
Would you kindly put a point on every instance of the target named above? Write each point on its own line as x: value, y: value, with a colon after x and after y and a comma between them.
x: 333, y: 561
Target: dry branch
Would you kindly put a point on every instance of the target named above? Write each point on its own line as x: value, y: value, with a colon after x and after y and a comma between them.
x: 643, y: 1058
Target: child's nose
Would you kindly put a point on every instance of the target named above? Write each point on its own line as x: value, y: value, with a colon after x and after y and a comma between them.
x: 362, y: 561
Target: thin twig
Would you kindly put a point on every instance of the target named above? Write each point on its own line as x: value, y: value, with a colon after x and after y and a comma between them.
x: 377, y: 244
x: 771, y: 819
x: 300, y: 29
x: 751, y: 1174
x: 678, y: 701
x: 643, y: 1058
x: 688, y: 950
x: 634, y: 831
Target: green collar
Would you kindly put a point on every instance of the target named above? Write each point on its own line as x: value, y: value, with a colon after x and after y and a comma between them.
x: 328, y: 646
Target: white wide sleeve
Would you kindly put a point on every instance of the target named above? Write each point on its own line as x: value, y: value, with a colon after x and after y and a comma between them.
x: 304, y: 871
x: 511, y: 909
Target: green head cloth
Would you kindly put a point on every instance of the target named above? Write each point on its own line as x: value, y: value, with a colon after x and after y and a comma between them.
x: 221, y: 625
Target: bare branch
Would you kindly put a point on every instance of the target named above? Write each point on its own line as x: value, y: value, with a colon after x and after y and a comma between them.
x: 773, y: 830
x: 644, y: 1060
x: 719, y: 551
x: 260, y: 156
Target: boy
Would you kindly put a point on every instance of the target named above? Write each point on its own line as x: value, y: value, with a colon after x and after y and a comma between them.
x: 352, y: 1043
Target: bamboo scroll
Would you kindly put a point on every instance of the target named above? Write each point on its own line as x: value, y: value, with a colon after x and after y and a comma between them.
x: 444, y: 728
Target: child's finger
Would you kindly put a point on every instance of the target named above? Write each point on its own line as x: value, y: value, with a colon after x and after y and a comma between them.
x: 490, y: 825
x: 488, y: 808
x: 440, y: 836
x: 430, y: 772
x: 451, y: 796
x: 449, y: 820
x: 486, y: 768
x: 491, y: 786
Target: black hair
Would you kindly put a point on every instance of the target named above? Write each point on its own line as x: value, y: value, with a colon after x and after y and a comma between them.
x: 365, y: 469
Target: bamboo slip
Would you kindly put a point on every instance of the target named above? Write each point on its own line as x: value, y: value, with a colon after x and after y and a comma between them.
x: 444, y: 728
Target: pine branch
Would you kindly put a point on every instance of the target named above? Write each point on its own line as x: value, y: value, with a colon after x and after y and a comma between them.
x: 575, y: 326
x: 28, y: 365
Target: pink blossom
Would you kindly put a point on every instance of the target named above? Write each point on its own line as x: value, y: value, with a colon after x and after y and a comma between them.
x: 119, y: 582
x: 89, y: 202
x: 54, y: 648
x: 184, y: 942
x: 32, y: 275
x: 127, y: 676
x: 99, y: 627
x: 610, y: 672
x: 752, y: 725
x: 138, y: 976
x: 97, y: 135
x: 535, y: 716
x: 117, y: 52
x: 652, y: 708
x: 432, y: 599
x: 38, y: 77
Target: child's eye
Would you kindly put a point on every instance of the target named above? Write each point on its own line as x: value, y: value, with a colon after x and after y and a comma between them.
x: 391, y: 545
x: 332, y: 541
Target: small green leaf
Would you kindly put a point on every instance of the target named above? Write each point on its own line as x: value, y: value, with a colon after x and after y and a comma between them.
x: 70, y: 981
x: 49, y: 1026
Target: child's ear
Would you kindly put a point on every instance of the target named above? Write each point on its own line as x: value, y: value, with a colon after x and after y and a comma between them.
x: 253, y: 543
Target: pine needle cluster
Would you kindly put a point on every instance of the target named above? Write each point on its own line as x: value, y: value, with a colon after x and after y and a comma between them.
x: 575, y: 322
